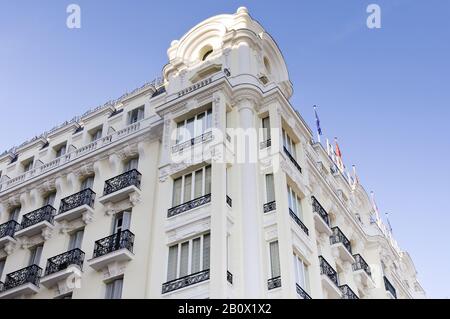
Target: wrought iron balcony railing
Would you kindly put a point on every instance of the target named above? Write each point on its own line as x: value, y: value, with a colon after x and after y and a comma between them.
x: 120, y: 240
x: 9, y: 228
x: 197, y: 202
x: 1, y: 286
x: 389, y: 287
x: 45, y: 213
x: 361, y: 264
x: 63, y: 261
x: 196, y: 140
x: 317, y: 208
x: 301, y: 292
x: 299, y: 222
x: 185, y: 281
x: 130, y: 178
x: 273, y: 283
x: 265, y: 144
x: 30, y: 274
x: 327, y: 270
x: 347, y: 292
x: 229, y: 277
x: 339, y: 237
x: 85, y: 197
x: 268, y: 207
x: 292, y: 159
x: 229, y: 201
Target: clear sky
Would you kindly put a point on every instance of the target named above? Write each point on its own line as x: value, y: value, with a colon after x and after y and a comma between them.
x: 384, y: 93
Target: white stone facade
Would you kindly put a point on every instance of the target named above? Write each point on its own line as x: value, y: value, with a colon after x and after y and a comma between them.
x: 240, y: 228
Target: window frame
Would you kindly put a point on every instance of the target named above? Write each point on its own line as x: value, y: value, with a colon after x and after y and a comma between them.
x: 193, y: 178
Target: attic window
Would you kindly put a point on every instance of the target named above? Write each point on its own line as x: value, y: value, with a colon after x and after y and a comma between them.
x: 205, y: 52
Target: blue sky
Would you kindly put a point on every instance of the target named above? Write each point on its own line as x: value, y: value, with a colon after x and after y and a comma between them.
x: 384, y: 93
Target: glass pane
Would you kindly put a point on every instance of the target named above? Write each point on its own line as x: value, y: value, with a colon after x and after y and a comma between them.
x: 117, y: 289
x: 190, y: 129
x: 199, y: 128
x: 184, y: 259
x: 172, y: 265
x: 109, y: 290
x: 180, y: 137
x: 274, y: 259
x: 289, y: 197
x: 208, y: 180
x: 299, y: 208
x: 198, y: 183
x: 126, y: 220
x: 270, y: 188
x: 209, y: 119
x: 206, y: 251
x: 187, y: 188
x: 176, y: 196
x: 195, y: 263
x: 266, y: 128
x: 118, y: 223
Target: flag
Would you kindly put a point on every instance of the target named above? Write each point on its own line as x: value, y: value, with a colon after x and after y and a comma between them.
x: 375, y: 208
x: 319, y: 130
x: 339, y: 156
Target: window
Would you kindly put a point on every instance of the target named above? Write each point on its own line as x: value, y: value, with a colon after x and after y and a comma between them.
x: 136, y: 115
x: 2, y: 266
x: 194, y: 126
x: 50, y: 199
x: 301, y: 272
x: 295, y: 203
x: 121, y: 222
x: 96, y: 134
x: 288, y: 143
x: 205, y: 52
x: 60, y: 150
x: 274, y: 259
x: 114, y: 289
x: 131, y: 164
x: 88, y: 182
x: 76, y: 239
x: 35, y: 255
x: 191, y: 186
x: 188, y: 257
x: 270, y: 188
x: 28, y: 165
x: 266, y: 128
x: 14, y: 213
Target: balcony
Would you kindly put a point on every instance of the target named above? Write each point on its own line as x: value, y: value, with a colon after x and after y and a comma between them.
x: 265, y: 144
x: 347, y: 292
x: 193, y: 141
x: 77, y: 205
x: 273, y: 283
x: 113, y: 249
x: 37, y: 222
x: 362, y: 269
x: 330, y: 280
x: 392, y: 294
x: 321, y: 218
x: 298, y: 222
x: 292, y: 159
x: 121, y: 187
x: 7, y: 231
x: 185, y: 281
x: 269, y: 207
x: 229, y: 277
x: 21, y: 282
x: 301, y: 292
x: 342, y: 246
x: 62, y: 266
x: 200, y: 201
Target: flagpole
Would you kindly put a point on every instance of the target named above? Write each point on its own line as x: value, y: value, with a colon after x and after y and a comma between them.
x: 317, y: 124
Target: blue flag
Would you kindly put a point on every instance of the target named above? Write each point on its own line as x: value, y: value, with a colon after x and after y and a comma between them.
x: 319, y: 130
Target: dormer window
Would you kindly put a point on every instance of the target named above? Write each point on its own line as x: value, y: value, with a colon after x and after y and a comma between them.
x: 205, y: 52
x: 28, y: 164
x: 136, y: 115
x: 60, y: 150
x: 96, y: 133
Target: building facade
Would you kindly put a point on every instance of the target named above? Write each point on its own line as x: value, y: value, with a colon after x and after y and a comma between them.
x: 204, y: 184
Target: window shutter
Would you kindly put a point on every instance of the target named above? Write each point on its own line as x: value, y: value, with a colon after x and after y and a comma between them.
x: 270, y: 188
x: 172, y: 265
x: 195, y: 263
x: 184, y: 259
x: 206, y: 251
x: 274, y: 259
x: 176, y: 196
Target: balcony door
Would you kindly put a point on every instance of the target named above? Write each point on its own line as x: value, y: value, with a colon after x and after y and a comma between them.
x: 88, y: 182
x: 121, y: 222
x: 76, y: 239
x: 35, y: 255
x: 131, y: 164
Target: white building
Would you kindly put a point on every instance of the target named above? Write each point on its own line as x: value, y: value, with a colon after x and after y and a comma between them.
x: 120, y: 203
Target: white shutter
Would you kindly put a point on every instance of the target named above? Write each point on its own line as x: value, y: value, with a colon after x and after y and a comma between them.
x: 195, y: 263
x: 172, y: 264
x: 274, y: 259
x: 184, y: 259
x: 206, y: 251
